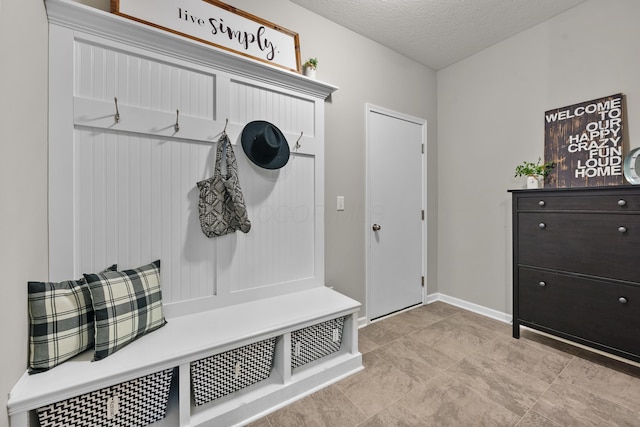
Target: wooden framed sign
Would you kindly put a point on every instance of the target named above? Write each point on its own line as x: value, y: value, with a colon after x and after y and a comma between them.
x: 585, y: 141
x: 220, y: 25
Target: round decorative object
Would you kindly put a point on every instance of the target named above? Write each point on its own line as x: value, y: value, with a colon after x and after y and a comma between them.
x: 632, y: 166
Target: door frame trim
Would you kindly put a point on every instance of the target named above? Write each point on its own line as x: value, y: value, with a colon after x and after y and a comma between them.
x: 369, y: 109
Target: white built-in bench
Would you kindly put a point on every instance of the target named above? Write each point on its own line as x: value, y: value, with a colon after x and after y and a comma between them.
x: 192, y: 337
x: 125, y: 191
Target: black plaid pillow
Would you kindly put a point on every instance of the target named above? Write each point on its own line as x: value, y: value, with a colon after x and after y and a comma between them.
x: 60, y: 322
x: 127, y: 305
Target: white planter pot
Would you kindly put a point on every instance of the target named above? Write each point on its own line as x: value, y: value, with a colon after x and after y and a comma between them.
x: 310, y: 72
x: 533, y: 182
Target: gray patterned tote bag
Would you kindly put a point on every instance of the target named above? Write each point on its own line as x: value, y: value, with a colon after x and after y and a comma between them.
x: 221, y: 204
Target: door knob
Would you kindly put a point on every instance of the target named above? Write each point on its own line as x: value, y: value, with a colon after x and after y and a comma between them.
x: 376, y: 227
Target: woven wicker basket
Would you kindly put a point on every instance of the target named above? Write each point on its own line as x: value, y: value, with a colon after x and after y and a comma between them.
x: 316, y: 341
x: 224, y: 373
x: 134, y: 403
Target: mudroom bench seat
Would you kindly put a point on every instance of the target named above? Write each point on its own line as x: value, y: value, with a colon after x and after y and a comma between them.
x: 196, y: 336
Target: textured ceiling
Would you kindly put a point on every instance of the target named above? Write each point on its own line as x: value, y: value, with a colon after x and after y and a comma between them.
x: 437, y: 33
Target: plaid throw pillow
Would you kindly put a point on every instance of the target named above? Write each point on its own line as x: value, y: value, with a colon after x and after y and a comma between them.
x: 60, y: 322
x: 127, y: 305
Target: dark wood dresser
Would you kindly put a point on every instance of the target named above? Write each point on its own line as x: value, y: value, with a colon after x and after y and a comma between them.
x: 576, y: 265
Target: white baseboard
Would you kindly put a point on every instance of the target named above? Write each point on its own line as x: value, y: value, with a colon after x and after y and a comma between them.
x: 432, y: 298
x: 362, y: 322
x: 475, y: 308
x: 485, y: 311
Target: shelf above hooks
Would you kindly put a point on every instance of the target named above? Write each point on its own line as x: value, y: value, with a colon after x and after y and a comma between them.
x: 74, y: 15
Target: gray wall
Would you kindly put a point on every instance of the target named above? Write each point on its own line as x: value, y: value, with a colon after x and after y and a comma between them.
x: 489, y: 115
x: 491, y: 118
x: 23, y: 177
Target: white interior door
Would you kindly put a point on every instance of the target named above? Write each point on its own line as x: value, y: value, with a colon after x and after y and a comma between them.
x: 395, y: 210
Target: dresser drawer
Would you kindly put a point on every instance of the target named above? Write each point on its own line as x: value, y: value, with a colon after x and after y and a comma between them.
x: 609, y: 202
x: 586, y: 308
x: 605, y: 245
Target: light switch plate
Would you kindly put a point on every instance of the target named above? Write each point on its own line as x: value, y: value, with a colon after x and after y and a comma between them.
x: 340, y: 203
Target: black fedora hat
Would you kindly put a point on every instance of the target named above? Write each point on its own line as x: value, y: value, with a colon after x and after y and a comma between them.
x: 265, y: 145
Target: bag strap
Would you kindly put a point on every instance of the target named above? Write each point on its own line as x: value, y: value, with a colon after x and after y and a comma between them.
x: 232, y: 165
x: 224, y: 139
x: 230, y: 158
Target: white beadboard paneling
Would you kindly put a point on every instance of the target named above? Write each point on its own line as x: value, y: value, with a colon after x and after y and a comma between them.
x: 138, y: 202
x: 85, y: 231
x: 103, y: 73
x: 134, y: 195
x: 111, y: 193
x: 280, y: 246
x: 291, y: 113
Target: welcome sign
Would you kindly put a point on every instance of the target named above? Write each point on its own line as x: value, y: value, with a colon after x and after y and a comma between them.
x: 585, y: 142
x: 217, y: 24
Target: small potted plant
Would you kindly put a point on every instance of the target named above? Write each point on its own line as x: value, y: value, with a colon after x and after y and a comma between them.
x: 534, y: 172
x: 310, y: 67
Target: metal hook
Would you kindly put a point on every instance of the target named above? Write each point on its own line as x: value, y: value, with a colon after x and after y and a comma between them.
x: 116, y: 117
x: 298, y: 141
x: 224, y: 131
x: 176, y: 127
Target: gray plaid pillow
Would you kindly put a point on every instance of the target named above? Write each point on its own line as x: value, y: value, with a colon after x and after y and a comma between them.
x: 60, y: 322
x: 127, y: 305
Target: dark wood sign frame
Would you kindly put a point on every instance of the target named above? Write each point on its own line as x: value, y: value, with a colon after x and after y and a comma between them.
x: 586, y: 143
x: 220, y: 25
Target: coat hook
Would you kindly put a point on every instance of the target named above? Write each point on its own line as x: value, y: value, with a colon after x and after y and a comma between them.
x: 298, y: 141
x: 177, y: 125
x: 117, y: 115
x: 225, y: 126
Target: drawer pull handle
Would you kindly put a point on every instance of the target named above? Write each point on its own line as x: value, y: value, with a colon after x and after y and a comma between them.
x: 622, y: 202
x: 622, y: 229
x: 622, y: 300
x: 541, y: 203
x: 542, y: 225
x: 543, y: 284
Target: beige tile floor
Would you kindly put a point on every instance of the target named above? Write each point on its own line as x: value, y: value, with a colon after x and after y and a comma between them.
x: 439, y: 365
